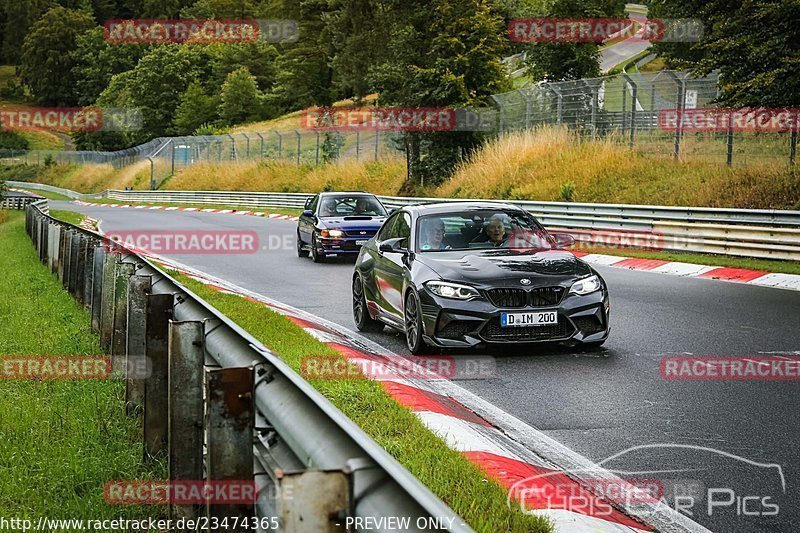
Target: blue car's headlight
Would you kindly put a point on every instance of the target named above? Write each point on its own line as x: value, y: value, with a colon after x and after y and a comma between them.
x: 445, y: 289
x: 586, y: 286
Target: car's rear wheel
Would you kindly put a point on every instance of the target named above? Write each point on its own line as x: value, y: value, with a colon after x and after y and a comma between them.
x: 301, y: 252
x: 316, y: 255
x: 363, y: 321
x: 413, y: 325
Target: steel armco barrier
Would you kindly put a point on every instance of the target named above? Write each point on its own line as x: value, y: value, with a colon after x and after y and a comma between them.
x: 760, y: 233
x: 313, y: 466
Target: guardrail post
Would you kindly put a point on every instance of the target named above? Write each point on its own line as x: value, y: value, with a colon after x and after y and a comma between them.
x: 186, y: 409
x: 119, y: 337
x: 97, y: 286
x: 52, y: 246
x: 159, y: 309
x: 63, y: 252
x: 88, y: 273
x: 138, y: 288
x: 80, y: 277
x: 231, y: 417
x: 110, y: 260
x: 74, y: 260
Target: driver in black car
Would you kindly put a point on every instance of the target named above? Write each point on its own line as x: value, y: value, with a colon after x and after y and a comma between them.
x: 496, y: 231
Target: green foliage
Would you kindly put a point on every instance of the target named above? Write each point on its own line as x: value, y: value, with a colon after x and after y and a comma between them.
x: 567, y: 191
x: 210, y: 129
x: 240, y: 97
x: 96, y: 61
x: 196, y: 107
x: 46, y: 62
x: 752, y: 43
x: 11, y: 140
x: 570, y: 61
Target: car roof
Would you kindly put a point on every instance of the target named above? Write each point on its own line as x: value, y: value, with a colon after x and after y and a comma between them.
x: 346, y: 193
x: 448, y: 207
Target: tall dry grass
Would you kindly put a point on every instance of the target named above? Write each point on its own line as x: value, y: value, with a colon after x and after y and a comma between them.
x: 380, y: 177
x: 536, y: 165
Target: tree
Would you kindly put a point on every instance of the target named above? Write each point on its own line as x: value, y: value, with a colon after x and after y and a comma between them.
x: 240, y: 97
x: 304, y: 74
x: 196, y: 108
x: 96, y: 61
x: 16, y: 18
x: 570, y: 61
x: 444, y: 53
x: 46, y: 62
x: 752, y: 43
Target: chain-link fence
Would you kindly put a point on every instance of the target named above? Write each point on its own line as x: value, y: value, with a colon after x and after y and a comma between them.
x: 630, y: 107
x: 627, y: 107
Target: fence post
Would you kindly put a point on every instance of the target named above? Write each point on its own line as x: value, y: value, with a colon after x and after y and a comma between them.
x: 634, y: 99
x: 729, y: 140
x: 247, y: 146
x: 680, y: 82
x: 172, y: 146
x: 186, y: 359
x: 231, y: 415
x: 377, y: 142
x: 138, y: 288
x: 280, y: 144
x: 261, y: 147
x: 80, y: 274
x: 317, y: 155
x: 358, y: 144
x: 152, y: 174
x: 528, y: 108
x: 793, y: 143
x: 156, y: 397
x: 501, y: 121
x: 624, y: 107
x: 74, y: 261
x: 297, y: 133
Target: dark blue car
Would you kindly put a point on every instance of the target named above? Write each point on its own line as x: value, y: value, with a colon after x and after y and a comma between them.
x: 338, y: 223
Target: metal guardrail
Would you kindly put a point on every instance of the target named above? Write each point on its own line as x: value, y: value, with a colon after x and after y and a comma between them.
x: 262, y: 422
x: 17, y: 201
x: 760, y: 233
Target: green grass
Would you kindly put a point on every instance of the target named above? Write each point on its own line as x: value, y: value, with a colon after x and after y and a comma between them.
x: 71, y: 217
x: 61, y: 440
x: 459, y: 483
x: 47, y: 194
x: 767, y: 265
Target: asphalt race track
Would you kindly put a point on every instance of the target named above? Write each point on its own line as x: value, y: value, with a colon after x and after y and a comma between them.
x: 597, y: 403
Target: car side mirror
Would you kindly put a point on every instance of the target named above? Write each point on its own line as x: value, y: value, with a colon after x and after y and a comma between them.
x: 308, y: 213
x: 564, y: 240
x: 393, y: 246
x: 390, y: 211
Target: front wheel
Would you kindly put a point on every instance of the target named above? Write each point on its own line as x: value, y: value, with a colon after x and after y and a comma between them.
x: 316, y: 255
x: 363, y: 321
x: 413, y: 322
x: 301, y: 252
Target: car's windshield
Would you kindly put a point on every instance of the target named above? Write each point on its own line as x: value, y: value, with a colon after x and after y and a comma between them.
x: 511, y: 231
x: 356, y: 205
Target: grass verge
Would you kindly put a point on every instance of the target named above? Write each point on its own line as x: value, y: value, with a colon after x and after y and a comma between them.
x: 766, y: 265
x: 62, y: 440
x: 71, y: 217
x: 459, y: 483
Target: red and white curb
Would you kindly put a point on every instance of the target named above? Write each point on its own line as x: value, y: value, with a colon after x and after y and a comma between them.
x: 275, y: 216
x: 519, y: 457
x: 690, y: 270
x: 658, y: 266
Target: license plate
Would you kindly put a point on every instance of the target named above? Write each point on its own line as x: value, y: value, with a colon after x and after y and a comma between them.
x: 510, y: 320
x: 361, y: 243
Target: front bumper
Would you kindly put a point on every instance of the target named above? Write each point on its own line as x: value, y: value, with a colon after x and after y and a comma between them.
x: 344, y: 245
x: 450, y: 323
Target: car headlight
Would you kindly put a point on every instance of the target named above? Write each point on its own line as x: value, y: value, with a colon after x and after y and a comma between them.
x: 335, y: 233
x: 586, y: 286
x: 457, y: 291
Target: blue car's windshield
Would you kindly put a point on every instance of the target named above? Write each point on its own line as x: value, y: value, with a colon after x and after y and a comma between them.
x: 346, y: 206
x: 489, y: 229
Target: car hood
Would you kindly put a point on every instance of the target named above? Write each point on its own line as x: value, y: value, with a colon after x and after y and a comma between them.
x: 346, y: 223
x: 503, y: 269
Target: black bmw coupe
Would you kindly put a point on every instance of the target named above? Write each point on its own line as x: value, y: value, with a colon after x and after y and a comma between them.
x: 460, y: 275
